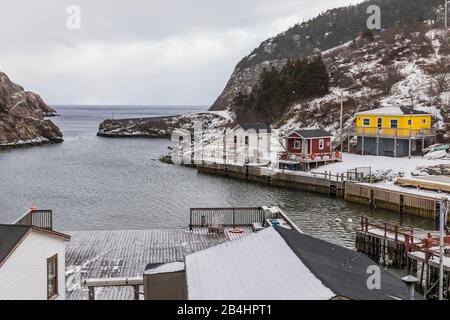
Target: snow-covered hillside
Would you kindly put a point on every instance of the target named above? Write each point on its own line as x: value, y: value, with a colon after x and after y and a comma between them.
x: 399, y: 67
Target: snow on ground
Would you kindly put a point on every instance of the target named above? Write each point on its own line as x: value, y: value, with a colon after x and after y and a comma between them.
x: 420, y: 192
x: 399, y: 166
x: 404, y: 165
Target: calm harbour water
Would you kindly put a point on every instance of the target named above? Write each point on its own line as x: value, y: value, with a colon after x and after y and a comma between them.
x: 94, y: 183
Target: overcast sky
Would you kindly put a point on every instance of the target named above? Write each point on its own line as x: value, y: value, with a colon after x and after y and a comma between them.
x: 145, y: 52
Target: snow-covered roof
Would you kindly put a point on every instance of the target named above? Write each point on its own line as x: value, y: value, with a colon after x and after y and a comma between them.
x: 257, y: 127
x: 164, y: 268
x: 311, y: 133
x: 282, y: 264
x: 391, y: 111
x: 260, y: 266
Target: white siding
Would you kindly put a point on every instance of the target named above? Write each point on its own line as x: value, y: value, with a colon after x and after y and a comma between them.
x: 24, y: 274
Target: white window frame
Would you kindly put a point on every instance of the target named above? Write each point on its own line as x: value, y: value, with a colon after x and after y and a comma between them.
x: 297, y: 144
x: 52, y: 277
x: 363, y: 122
x: 321, y: 144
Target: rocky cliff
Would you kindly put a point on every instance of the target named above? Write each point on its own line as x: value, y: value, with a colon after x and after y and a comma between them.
x: 22, y: 115
x: 326, y: 31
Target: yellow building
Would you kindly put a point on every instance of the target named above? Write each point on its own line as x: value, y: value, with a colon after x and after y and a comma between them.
x: 393, y: 131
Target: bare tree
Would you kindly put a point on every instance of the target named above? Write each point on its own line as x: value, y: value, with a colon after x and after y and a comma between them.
x: 440, y: 77
x: 391, y: 76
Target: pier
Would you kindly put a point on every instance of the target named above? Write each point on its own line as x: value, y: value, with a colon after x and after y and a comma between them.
x: 414, y: 250
x: 325, y: 183
x: 343, y: 185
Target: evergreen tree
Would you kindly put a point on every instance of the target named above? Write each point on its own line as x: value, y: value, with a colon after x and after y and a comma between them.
x: 277, y: 90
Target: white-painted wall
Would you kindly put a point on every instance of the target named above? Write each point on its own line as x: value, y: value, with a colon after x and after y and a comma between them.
x: 23, y: 276
x: 258, y: 148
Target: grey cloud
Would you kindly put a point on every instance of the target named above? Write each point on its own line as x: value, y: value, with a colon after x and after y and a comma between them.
x: 138, y: 52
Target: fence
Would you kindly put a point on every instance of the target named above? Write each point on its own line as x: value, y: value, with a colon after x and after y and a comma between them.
x: 394, y: 132
x: 37, y: 218
x: 244, y: 216
x: 358, y: 174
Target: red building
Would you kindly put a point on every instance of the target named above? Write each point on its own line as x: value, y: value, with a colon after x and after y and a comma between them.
x: 308, y: 146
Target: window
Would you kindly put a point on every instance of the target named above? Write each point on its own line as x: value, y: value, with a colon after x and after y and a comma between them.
x: 246, y: 140
x: 321, y: 144
x: 297, y: 144
x: 409, y: 122
x: 235, y: 139
x: 394, y: 124
x: 380, y: 123
x: 424, y: 121
x: 366, y: 122
x: 52, y: 276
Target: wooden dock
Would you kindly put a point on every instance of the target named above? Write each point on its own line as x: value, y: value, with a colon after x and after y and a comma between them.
x: 415, y: 250
x: 316, y: 182
x: 338, y: 185
x: 112, y: 254
x: 397, y: 201
x: 439, y: 184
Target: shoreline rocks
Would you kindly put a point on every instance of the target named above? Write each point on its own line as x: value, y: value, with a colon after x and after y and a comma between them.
x: 23, y: 117
x: 166, y: 159
x: 161, y: 127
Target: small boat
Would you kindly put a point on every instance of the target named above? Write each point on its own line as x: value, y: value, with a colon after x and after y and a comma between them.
x: 436, y: 147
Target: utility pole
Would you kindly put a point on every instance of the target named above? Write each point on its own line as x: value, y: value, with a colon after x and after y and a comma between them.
x: 342, y: 123
x: 442, y: 220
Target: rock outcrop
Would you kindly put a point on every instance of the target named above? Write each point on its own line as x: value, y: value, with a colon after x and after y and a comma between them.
x: 162, y: 127
x: 22, y: 117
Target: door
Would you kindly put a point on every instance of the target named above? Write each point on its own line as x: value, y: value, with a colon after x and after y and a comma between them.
x: 380, y: 123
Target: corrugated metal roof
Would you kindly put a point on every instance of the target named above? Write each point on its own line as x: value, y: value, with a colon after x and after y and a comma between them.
x: 10, y: 236
x: 342, y: 270
x: 260, y: 266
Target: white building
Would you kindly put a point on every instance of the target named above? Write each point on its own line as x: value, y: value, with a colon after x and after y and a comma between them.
x: 249, y: 143
x: 32, y: 262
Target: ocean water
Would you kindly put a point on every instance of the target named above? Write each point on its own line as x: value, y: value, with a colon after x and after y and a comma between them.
x: 95, y: 183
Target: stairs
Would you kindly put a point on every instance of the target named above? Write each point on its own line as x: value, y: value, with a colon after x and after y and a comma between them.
x: 333, y: 188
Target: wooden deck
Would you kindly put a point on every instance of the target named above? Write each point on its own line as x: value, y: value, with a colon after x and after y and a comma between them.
x: 110, y: 254
x: 433, y: 183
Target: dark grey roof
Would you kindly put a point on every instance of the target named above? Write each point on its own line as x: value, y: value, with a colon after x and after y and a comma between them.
x: 342, y: 270
x: 313, y: 133
x: 255, y: 126
x: 10, y: 236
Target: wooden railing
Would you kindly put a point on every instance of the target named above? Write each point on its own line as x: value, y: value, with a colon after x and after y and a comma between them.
x: 301, y: 157
x: 386, y: 227
x: 37, y: 218
x: 394, y: 132
x: 232, y: 217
